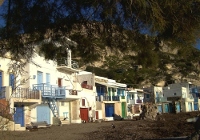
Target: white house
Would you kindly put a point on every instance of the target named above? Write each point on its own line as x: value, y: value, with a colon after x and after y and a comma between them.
x: 181, y: 95
x: 87, y: 101
x: 110, y: 98
x: 134, y: 101
x: 46, y: 91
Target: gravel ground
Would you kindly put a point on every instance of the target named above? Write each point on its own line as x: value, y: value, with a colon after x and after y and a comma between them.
x: 166, y: 125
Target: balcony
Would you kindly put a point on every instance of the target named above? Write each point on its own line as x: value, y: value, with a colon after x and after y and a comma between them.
x: 131, y: 101
x: 123, y: 98
x: 2, y: 92
x: 64, y: 66
x: 26, y: 93
x: 160, y: 99
x: 21, y: 95
x: 87, y: 86
x: 50, y: 90
x: 115, y: 98
x: 71, y: 95
x: 146, y: 100
x: 107, y: 98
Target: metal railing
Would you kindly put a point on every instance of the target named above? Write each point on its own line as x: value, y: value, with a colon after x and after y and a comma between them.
x: 107, y: 98
x: 25, y: 93
x: 115, y: 98
x: 64, y: 62
x: 50, y: 90
x: 2, y: 92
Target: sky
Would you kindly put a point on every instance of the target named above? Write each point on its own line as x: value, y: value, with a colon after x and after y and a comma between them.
x: 2, y: 23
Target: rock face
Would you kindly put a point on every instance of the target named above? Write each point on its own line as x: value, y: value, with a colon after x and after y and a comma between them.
x: 151, y: 111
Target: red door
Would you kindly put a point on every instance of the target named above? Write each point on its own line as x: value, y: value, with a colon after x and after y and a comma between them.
x: 84, y: 114
x: 97, y: 115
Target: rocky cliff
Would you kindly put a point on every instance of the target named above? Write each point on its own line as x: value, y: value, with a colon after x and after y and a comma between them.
x: 134, y: 58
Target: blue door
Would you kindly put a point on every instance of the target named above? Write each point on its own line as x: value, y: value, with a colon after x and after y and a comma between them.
x: 109, y: 108
x: 19, y: 115
x: 170, y: 107
x: 160, y: 108
x: 196, y: 106
x: 166, y: 108
x: 43, y: 113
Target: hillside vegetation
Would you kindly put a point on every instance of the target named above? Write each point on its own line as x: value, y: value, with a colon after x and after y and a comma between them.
x: 132, y: 57
x: 140, y: 42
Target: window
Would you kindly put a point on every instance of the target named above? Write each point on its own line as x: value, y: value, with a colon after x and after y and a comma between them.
x: 174, y: 93
x: 147, y: 96
x: 47, y: 78
x: 39, y: 77
x: 83, y: 102
x: 60, y: 82
x: 62, y: 103
x: 84, y: 83
x: 157, y: 94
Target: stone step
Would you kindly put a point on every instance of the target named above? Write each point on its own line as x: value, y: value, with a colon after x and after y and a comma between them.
x: 19, y: 128
x: 65, y: 122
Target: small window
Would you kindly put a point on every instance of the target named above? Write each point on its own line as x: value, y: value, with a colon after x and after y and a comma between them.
x: 83, y: 102
x: 62, y: 103
x: 84, y: 83
x: 174, y: 93
x: 147, y: 96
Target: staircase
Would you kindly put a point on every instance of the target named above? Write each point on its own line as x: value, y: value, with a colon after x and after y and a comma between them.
x: 53, y: 107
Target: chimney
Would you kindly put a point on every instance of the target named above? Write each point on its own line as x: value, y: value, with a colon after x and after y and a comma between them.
x: 69, y: 57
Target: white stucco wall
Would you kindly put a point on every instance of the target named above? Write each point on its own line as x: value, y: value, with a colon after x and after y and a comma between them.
x: 31, y: 70
x: 100, y: 114
x: 4, y: 66
x: 175, y: 92
x: 90, y: 101
x: 64, y: 109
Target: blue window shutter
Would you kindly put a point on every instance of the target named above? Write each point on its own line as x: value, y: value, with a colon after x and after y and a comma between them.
x: 11, y: 80
x: 47, y: 78
x: 122, y: 92
x: 39, y: 77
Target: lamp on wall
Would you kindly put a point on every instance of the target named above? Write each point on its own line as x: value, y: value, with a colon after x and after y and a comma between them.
x: 34, y: 76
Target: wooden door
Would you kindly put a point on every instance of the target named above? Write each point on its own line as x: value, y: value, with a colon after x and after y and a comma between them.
x: 19, y: 115
x: 43, y: 113
x: 84, y: 114
x: 123, y: 105
x: 97, y: 115
x: 109, y: 109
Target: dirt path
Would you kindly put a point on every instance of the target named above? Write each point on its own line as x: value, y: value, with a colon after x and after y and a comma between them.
x: 168, y: 125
